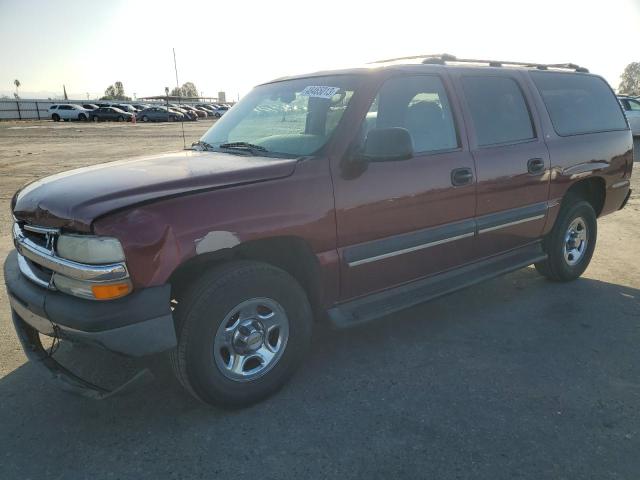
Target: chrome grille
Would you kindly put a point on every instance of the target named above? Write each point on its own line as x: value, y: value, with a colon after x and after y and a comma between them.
x: 43, y: 237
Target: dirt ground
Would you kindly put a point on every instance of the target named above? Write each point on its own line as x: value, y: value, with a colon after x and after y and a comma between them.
x: 513, y: 378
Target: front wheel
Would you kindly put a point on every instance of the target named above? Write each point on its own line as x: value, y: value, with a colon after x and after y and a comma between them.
x: 571, y: 243
x: 82, y: 117
x: 120, y: 118
x: 145, y: 118
x: 55, y: 117
x: 243, y: 329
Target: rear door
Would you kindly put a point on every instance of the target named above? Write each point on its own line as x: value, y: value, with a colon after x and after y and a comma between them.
x: 511, y: 158
x: 401, y: 220
x: 65, y: 111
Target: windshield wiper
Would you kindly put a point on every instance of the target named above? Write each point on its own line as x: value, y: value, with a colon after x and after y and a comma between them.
x: 243, y: 146
x: 202, y: 144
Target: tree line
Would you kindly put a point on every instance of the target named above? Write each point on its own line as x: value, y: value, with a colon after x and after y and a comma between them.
x: 116, y: 91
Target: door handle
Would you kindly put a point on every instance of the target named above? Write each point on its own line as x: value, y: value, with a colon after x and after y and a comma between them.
x: 461, y: 176
x: 535, y: 165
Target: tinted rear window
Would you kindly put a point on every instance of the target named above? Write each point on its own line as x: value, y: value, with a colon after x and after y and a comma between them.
x: 498, y: 109
x: 579, y: 103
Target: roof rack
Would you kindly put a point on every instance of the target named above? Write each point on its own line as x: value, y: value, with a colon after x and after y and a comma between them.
x: 443, y: 58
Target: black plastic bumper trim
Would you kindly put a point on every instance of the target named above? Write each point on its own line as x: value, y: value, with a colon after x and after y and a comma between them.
x: 137, y: 325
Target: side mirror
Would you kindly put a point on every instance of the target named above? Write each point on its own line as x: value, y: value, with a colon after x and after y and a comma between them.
x: 387, y: 144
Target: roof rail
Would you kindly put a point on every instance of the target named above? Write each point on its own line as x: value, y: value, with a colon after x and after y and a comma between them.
x: 443, y: 58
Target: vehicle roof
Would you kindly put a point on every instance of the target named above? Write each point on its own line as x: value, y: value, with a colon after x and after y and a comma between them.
x: 438, y: 63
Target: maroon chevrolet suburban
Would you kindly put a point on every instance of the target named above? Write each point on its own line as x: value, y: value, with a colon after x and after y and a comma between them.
x: 341, y: 196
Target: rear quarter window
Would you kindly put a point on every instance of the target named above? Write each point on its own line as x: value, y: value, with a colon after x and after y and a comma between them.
x: 579, y: 103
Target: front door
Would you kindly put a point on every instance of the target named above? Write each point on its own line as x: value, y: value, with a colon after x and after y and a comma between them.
x: 404, y: 219
x: 511, y: 159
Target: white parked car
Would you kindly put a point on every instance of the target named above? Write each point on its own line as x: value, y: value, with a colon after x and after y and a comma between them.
x: 69, y: 111
x: 631, y: 107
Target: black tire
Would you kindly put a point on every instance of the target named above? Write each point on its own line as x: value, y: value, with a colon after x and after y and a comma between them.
x: 95, y: 118
x: 82, y: 117
x: 202, y: 310
x: 120, y: 118
x: 557, y: 267
x: 145, y: 118
x: 217, y: 115
x: 55, y: 117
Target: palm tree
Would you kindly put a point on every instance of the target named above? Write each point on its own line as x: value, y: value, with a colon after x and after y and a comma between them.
x: 16, y: 82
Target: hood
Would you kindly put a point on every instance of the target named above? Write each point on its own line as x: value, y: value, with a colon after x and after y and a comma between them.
x: 74, y: 199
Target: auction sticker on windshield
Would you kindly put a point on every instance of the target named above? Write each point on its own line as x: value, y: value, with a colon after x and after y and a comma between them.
x: 319, y: 91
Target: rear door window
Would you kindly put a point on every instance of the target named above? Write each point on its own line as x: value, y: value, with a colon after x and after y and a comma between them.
x: 498, y: 110
x: 579, y: 103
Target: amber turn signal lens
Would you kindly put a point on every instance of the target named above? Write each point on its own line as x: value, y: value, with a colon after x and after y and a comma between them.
x: 108, y: 292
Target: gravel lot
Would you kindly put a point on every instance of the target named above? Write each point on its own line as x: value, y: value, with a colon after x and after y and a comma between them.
x: 513, y: 378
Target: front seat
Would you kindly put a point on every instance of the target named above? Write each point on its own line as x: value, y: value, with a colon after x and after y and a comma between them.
x: 426, y: 124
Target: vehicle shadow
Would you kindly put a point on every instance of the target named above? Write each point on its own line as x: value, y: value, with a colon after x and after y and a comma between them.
x: 517, y: 372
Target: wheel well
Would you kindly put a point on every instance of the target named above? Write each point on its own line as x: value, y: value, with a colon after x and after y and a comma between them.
x: 593, y: 190
x: 291, y: 254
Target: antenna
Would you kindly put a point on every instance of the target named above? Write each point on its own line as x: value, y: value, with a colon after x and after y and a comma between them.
x: 175, y: 66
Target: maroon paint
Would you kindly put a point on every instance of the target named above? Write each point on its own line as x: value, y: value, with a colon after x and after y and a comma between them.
x: 74, y: 199
x: 161, y: 207
x: 503, y: 180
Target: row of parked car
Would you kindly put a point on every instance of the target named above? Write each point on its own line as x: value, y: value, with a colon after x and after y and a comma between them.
x: 122, y: 112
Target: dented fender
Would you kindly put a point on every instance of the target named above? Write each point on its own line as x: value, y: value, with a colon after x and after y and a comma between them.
x: 160, y: 236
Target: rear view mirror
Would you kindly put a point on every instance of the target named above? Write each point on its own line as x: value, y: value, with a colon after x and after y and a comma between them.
x: 387, y: 144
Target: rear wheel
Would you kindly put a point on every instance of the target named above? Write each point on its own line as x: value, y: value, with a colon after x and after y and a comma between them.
x: 95, y: 118
x: 145, y: 118
x: 120, y: 118
x: 243, y: 329
x: 571, y: 243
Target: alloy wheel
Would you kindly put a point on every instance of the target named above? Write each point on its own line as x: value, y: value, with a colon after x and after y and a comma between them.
x: 251, y: 339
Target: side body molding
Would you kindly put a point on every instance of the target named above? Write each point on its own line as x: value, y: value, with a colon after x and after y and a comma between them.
x: 430, y: 237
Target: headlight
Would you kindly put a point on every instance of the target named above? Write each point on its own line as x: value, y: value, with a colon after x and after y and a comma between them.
x: 90, y: 249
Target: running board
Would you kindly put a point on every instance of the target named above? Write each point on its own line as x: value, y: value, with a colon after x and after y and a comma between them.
x: 389, y: 301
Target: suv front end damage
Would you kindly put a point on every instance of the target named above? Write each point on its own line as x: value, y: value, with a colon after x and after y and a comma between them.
x: 135, y: 324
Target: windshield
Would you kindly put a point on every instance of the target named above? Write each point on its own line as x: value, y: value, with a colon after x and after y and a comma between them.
x: 289, y: 118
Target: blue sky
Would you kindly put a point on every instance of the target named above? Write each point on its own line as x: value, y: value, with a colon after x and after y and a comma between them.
x: 231, y: 46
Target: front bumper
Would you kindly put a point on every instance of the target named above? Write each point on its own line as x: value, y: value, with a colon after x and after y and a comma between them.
x: 137, y: 325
